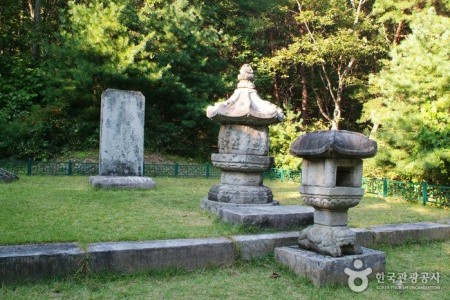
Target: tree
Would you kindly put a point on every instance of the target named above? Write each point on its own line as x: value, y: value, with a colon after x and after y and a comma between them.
x: 412, y: 102
x: 396, y: 15
x: 282, y: 135
x: 333, y: 45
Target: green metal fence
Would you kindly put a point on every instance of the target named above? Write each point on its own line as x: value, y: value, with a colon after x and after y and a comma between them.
x: 411, y: 191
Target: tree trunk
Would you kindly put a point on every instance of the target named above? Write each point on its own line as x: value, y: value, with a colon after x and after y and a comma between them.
x: 36, y: 15
x: 374, y: 130
x: 304, y: 94
x: 398, y: 33
x: 276, y: 90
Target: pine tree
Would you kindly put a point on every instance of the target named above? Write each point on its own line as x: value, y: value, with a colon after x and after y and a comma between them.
x: 412, y: 102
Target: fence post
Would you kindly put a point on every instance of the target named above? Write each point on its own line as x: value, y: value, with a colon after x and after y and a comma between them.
x: 207, y: 170
x: 176, y: 170
x: 281, y: 174
x: 424, y: 193
x: 385, y: 188
x: 29, y: 167
x: 69, y: 168
x: 143, y: 169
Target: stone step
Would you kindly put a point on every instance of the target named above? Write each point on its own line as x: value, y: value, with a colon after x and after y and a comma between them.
x: 279, y: 217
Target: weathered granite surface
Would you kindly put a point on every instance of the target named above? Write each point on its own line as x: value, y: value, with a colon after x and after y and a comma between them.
x: 29, y: 262
x: 395, y: 234
x: 334, y: 143
x: 122, y: 182
x: 259, y: 245
x: 245, y: 107
x: 122, y: 141
x: 324, y: 270
x: 34, y: 262
x: 331, y: 183
x: 122, y: 133
x: 189, y: 254
x: 243, y: 144
x: 280, y: 217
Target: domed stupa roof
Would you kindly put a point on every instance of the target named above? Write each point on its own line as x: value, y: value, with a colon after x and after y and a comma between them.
x: 245, y: 106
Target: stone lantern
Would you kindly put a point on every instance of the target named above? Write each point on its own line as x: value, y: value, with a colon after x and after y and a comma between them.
x: 331, y: 183
x: 243, y: 146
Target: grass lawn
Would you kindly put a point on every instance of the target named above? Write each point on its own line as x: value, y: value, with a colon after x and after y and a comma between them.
x: 260, y: 279
x: 52, y: 209
x: 63, y: 209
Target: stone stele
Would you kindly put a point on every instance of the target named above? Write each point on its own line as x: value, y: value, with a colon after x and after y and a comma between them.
x: 122, y: 141
x: 243, y: 145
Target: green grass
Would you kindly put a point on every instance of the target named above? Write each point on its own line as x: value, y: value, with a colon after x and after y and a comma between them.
x: 40, y: 209
x: 50, y: 209
x: 260, y: 279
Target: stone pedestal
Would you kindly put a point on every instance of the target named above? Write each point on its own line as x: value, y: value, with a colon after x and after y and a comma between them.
x: 122, y: 141
x: 325, y: 270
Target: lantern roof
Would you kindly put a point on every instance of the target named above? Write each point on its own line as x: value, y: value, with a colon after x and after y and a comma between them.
x: 334, y: 143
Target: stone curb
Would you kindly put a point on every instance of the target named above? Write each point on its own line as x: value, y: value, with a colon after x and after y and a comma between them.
x: 190, y: 254
x: 33, y: 262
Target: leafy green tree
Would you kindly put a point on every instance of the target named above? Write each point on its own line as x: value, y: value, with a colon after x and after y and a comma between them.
x: 331, y: 53
x: 282, y: 135
x: 25, y: 26
x: 396, y: 15
x: 412, y: 103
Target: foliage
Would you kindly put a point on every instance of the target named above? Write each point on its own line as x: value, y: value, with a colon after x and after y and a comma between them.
x: 332, y: 46
x: 282, y: 135
x: 311, y: 57
x: 412, y: 102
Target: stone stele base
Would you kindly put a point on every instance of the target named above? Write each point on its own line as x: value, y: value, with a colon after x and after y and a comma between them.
x: 261, y: 215
x: 122, y: 182
x: 325, y: 270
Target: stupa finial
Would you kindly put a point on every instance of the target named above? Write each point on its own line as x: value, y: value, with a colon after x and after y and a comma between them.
x: 246, y: 77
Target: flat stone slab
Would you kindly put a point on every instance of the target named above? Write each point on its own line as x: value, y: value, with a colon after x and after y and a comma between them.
x: 279, y: 217
x: 395, y: 234
x: 215, y: 206
x: 259, y: 245
x: 325, y: 270
x: 32, y: 262
x: 122, y: 182
x: 364, y: 237
x: 190, y: 254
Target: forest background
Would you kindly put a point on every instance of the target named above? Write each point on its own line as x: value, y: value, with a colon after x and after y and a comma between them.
x: 379, y: 67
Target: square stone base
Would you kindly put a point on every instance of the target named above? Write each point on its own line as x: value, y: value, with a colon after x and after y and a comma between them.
x: 325, y: 270
x: 122, y: 182
x: 262, y: 215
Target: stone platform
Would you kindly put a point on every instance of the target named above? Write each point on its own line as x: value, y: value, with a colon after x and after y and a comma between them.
x: 122, y: 182
x: 268, y: 215
x: 325, y: 270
